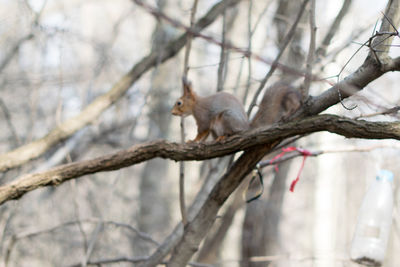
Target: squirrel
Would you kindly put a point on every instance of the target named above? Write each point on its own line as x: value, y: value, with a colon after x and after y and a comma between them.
x: 220, y: 114
x: 223, y: 115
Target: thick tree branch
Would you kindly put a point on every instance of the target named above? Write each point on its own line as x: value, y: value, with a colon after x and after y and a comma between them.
x: 200, y: 151
x: 369, y: 71
x: 195, y: 230
x: 35, y: 149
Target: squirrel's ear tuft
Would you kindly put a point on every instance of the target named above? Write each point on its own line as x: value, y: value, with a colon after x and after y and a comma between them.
x: 187, y: 86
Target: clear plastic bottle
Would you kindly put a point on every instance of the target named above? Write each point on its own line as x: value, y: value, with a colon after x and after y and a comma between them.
x: 374, y: 221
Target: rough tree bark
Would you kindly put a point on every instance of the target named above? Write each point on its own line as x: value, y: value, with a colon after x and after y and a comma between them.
x: 253, y: 140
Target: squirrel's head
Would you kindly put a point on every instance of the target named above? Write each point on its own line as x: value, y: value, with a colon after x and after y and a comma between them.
x: 185, y: 104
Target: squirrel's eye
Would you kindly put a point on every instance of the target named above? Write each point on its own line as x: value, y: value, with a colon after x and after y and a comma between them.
x: 179, y: 103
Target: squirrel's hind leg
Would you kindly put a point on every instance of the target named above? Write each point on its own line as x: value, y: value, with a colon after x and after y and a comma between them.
x: 229, y: 123
x: 201, y: 136
x: 217, y: 126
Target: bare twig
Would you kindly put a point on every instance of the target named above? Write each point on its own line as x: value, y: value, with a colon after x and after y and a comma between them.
x: 393, y: 110
x: 77, y: 216
x: 329, y: 56
x: 14, y: 50
x: 249, y: 47
x: 222, y: 56
x: 189, y: 40
x: 100, y: 262
x: 321, y: 51
x: 311, y: 53
x: 134, y: 260
x: 34, y: 233
x: 92, y: 243
x: 10, y: 124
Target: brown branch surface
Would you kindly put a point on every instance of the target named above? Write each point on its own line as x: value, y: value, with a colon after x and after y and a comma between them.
x: 35, y: 149
x: 200, y: 151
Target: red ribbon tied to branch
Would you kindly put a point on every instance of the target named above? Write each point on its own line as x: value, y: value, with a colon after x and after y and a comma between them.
x: 285, y: 150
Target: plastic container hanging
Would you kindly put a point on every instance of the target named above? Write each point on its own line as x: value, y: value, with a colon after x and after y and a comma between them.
x: 374, y: 221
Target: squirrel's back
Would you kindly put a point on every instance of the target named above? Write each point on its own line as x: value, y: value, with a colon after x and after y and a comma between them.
x: 221, y: 102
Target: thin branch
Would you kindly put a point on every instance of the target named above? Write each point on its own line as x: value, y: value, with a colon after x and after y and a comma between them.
x: 14, y: 50
x: 99, y: 262
x: 274, y: 64
x: 222, y: 56
x: 329, y: 56
x: 249, y: 47
x: 136, y: 260
x: 393, y: 110
x: 10, y: 124
x: 200, y: 151
x: 189, y: 40
x: 321, y: 51
x: 34, y: 233
x: 311, y: 53
x: 37, y: 148
x: 77, y: 216
x: 92, y: 243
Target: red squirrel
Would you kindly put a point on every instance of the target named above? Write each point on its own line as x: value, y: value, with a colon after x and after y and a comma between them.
x: 220, y: 114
